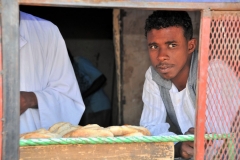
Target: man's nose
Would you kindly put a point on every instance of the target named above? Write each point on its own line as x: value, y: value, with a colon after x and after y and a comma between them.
x: 162, y: 55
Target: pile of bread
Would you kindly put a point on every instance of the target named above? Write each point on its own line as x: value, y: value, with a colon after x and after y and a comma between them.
x: 67, y: 130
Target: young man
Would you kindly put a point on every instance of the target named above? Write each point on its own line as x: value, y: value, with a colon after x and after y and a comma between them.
x: 49, y: 92
x: 169, y: 91
x: 170, y: 84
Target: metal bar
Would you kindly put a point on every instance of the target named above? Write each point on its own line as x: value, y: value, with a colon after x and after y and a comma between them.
x: 1, y: 95
x: 147, y: 4
x: 117, y: 38
x: 10, y: 51
x: 1, y: 100
x: 202, y: 83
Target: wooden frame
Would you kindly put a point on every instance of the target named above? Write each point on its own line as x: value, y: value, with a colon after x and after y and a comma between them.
x: 143, y: 151
x: 9, y: 98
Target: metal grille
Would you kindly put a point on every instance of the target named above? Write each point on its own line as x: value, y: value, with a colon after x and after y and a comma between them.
x: 223, y: 87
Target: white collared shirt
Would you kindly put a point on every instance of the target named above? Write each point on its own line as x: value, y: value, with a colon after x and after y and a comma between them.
x: 154, y: 113
x: 46, y: 70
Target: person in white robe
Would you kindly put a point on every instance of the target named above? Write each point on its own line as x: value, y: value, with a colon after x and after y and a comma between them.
x: 49, y: 92
x: 222, y: 90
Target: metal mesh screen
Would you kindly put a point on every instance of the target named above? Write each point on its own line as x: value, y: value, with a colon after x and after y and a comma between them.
x: 223, y: 87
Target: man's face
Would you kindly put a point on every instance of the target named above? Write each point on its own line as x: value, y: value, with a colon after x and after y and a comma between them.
x: 170, y: 52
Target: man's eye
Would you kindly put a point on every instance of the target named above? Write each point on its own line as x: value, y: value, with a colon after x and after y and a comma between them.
x: 153, y: 47
x: 172, y: 45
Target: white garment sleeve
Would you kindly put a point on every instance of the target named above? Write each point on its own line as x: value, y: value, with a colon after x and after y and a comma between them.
x: 60, y: 100
x: 46, y: 70
x: 223, y: 105
x: 223, y: 102
x: 154, y: 113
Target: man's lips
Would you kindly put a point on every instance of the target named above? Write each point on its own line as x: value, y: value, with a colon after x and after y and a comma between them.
x: 164, y: 68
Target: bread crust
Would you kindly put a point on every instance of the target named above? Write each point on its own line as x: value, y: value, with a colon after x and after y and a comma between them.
x: 133, y: 134
x: 92, y: 126
x: 54, y: 127
x: 141, y: 129
x: 127, y: 130
x: 116, y: 130
x: 88, y: 133
x: 41, y: 133
x: 67, y: 130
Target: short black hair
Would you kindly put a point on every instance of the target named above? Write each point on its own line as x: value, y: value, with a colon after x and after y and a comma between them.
x: 165, y: 19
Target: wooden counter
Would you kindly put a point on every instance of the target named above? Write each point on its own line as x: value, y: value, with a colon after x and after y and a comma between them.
x: 117, y: 151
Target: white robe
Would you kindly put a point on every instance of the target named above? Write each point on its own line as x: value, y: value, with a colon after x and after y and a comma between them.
x: 46, y: 70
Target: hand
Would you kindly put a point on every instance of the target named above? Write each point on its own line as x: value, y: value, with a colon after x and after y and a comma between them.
x: 187, y: 148
x: 190, y: 131
x: 27, y: 100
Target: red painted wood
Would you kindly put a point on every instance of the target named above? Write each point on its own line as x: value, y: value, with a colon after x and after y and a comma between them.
x: 202, y: 86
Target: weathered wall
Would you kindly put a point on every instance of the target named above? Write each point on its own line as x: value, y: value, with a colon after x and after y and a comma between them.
x: 136, y: 61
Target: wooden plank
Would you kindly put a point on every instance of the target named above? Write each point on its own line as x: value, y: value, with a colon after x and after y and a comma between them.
x: 131, y: 151
x: 10, y: 79
x: 146, y: 4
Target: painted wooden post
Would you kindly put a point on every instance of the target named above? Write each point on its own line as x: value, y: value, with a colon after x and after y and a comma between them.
x: 10, y: 79
x: 202, y: 84
x: 1, y: 95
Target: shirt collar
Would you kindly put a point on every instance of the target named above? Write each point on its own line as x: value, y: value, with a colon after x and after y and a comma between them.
x: 23, y: 41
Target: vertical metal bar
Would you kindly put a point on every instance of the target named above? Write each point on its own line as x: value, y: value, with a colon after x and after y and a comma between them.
x: 202, y: 83
x: 117, y: 46
x: 1, y: 95
x: 10, y: 51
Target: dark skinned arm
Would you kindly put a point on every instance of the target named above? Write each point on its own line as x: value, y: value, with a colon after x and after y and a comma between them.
x: 27, y: 100
x: 185, y: 149
x: 97, y: 84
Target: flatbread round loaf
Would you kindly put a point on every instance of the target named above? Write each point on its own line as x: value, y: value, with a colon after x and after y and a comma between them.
x: 116, y: 130
x: 121, y: 130
x: 92, y: 126
x: 62, y: 128
x: 55, y: 127
x: 88, y: 133
x: 141, y: 129
x: 127, y: 130
x: 41, y: 133
x: 133, y: 134
x: 67, y: 130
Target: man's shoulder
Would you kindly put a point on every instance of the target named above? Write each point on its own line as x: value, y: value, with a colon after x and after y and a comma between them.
x: 149, y: 77
x: 34, y: 20
x: 148, y: 74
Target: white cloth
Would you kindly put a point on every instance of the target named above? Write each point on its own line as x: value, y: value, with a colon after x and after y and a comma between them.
x: 46, y: 70
x: 222, y: 103
x: 223, y: 98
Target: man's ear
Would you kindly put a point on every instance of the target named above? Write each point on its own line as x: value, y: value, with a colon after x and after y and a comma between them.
x: 192, y: 45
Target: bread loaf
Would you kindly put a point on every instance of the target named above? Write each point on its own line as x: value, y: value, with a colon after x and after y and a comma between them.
x: 88, y: 133
x: 54, y: 127
x: 116, y: 130
x: 62, y: 128
x: 67, y: 130
x: 133, y: 134
x: 128, y: 130
x: 143, y: 130
x: 41, y: 133
x: 92, y: 126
